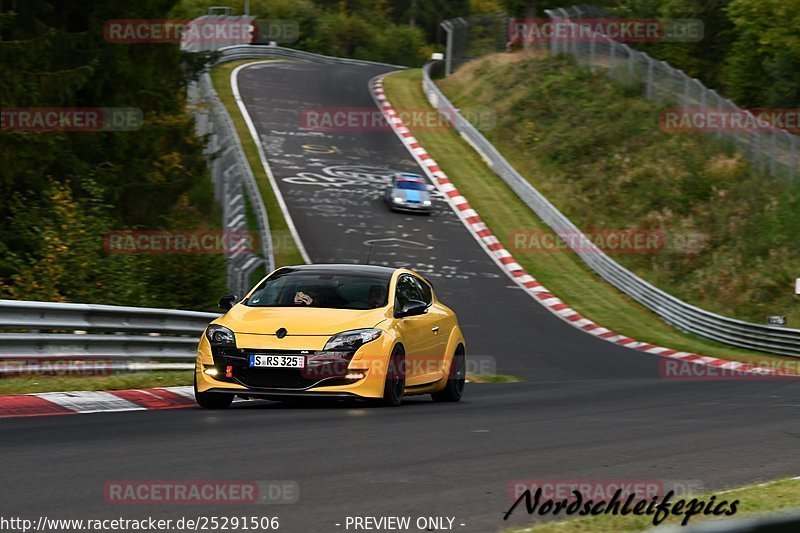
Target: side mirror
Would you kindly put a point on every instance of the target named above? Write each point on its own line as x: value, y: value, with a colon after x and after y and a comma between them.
x: 227, y: 302
x: 411, y: 308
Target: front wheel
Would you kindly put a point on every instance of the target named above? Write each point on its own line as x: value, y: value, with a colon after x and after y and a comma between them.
x: 395, y: 383
x: 455, y: 382
x: 211, y: 400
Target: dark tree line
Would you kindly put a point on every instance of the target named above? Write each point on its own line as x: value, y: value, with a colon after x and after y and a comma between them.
x: 60, y: 192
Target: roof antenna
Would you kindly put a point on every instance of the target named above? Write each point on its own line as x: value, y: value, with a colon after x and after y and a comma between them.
x: 369, y: 252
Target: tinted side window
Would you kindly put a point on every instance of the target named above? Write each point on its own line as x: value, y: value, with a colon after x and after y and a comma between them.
x: 407, y: 289
x: 427, y: 294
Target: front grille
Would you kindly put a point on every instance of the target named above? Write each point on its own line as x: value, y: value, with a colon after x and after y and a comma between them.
x: 242, y: 353
x: 274, y: 378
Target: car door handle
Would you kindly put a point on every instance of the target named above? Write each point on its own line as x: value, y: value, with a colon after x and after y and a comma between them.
x: 435, y: 329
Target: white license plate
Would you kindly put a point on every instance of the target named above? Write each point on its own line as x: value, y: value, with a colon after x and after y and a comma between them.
x: 277, y: 361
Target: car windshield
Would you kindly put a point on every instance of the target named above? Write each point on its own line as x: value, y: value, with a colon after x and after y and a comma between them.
x: 315, y: 288
x: 409, y: 184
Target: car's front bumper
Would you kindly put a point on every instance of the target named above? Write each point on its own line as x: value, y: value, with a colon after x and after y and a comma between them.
x: 286, y: 394
x: 419, y: 208
x: 363, y: 376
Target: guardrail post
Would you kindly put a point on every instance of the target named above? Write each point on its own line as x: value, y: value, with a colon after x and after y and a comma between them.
x: 773, y: 156
x: 631, y: 64
x: 686, y: 92
x: 612, y: 59
x: 702, y: 98
x: 448, y: 28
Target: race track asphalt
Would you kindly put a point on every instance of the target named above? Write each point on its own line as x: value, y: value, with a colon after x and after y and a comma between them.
x: 587, y: 410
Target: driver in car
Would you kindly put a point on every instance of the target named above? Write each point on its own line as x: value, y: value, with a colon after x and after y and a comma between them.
x: 377, y: 295
x: 301, y: 298
x: 324, y: 296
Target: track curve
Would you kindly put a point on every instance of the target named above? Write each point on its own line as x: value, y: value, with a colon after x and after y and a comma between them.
x: 588, y: 409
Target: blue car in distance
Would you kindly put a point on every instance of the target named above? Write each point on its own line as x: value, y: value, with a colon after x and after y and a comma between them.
x: 409, y: 192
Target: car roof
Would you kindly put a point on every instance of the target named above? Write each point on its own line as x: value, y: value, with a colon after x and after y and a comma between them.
x: 345, y: 268
x: 375, y: 270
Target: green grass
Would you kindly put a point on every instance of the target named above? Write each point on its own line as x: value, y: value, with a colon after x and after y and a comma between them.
x: 285, y: 249
x: 564, y: 274
x: 133, y: 380
x: 764, y: 498
x: 140, y: 380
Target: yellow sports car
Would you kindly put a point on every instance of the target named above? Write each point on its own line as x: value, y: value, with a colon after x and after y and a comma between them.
x: 343, y: 331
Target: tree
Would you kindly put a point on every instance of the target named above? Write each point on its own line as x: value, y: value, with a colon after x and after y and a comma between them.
x: 763, y: 67
x: 53, y: 185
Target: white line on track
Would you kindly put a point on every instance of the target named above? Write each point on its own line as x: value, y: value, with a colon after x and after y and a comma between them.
x: 251, y: 127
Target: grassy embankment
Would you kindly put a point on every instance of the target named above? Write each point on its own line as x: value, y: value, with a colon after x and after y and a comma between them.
x: 285, y: 249
x: 606, y: 164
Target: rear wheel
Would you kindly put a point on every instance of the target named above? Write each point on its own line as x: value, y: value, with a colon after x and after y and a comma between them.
x: 455, y: 382
x: 212, y: 400
x: 395, y: 378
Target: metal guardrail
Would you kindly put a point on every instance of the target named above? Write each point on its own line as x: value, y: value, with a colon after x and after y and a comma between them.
x: 107, y: 331
x: 258, y: 51
x: 678, y: 313
x: 775, y: 150
x: 234, y: 182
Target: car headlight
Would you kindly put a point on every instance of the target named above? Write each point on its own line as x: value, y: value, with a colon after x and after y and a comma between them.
x: 398, y: 200
x: 220, y: 335
x: 426, y: 202
x: 351, y: 341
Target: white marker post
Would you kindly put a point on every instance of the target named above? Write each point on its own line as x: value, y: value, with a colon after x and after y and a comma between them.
x: 797, y: 286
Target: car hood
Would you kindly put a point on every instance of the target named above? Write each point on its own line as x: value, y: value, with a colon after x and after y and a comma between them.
x: 299, y: 320
x: 412, y: 195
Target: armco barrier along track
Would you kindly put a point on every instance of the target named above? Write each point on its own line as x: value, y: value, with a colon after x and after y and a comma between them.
x: 676, y: 312
x: 107, y: 331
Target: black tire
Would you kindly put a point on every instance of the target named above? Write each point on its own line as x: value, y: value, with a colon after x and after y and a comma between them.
x: 212, y: 400
x: 456, y: 381
x: 395, y: 382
